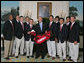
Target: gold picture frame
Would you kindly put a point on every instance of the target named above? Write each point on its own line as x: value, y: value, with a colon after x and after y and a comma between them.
x: 44, y: 9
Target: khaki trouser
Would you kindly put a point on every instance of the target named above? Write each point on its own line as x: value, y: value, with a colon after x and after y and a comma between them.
x: 8, y: 47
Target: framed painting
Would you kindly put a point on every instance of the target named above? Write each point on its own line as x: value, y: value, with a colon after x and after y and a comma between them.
x: 44, y: 9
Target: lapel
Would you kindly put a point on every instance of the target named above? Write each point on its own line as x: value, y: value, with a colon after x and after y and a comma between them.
x: 73, y: 26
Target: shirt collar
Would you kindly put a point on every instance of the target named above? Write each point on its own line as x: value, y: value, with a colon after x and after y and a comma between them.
x: 40, y: 22
x: 17, y: 20
x: 68, y: 23
x: 10, y: 21
x: 73, y: 23
x: 56, y: 21
x: 61, y: 25
x: 51, y: 22
x: 27, y: 22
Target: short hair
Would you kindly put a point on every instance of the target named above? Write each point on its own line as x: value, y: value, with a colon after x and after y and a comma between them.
x: 41, y: 17
x: 73, y: 16
x: 68, y: 17
x: 26, y: 17
x: 21, y: 16
x: 61, y: 18
x: 51, y: 16
x: 31, y: 19
x: 57, y: 17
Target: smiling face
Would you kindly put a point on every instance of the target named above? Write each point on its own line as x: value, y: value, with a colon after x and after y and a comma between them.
x: 27, y: 19
x: 21, y: 19
x: 17, y: 18
x: 51, y: 19
x: 40, y: 19
x: 31, y: 22
x: 67, y: 20
x: 72, y: 19
x: 11, y: 17
x: 61, y: 21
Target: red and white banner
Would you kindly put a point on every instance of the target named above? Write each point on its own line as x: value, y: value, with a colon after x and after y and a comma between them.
x: 40, y: 39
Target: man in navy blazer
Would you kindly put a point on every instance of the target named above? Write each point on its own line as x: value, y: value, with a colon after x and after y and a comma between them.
x: 74, y: 40
x: 8, y: 33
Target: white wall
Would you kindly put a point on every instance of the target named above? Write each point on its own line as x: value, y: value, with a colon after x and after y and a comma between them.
x: 57, y: 7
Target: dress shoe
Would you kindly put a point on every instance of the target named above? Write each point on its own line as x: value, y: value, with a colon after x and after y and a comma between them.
x: 36, y: 57
x: 53, y: 58
x: 64, y: 59
x: 67, y: 55
x: 32, y: 56
x: 7, y: 58
x: 70, y: 59
x: 22, y: 54
x: 42, y: 58
x: 57, y: 56
x: 48, y: 56
x: 16, y: 56
x: 27, y: 56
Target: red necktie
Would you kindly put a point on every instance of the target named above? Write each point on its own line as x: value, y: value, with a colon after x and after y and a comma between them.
x: 49, y: 25
x: 71, y: 27
x: 22, y: 26
x: 60, y: 28
x: 30, y: 27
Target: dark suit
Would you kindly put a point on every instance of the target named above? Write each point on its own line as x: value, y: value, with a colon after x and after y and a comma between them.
x: 68, y: 28
x: 15, y: 26
x: 53, y: 30
x: 74, y: 33
x: 57, y: 29
x: 63, y: 34
x: 26, y: 30
x: 40, y: 48
x: 19, y: 31
x: 8, y: 31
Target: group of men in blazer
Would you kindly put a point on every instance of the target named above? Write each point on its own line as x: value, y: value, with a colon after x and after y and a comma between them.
x: 64, y: 38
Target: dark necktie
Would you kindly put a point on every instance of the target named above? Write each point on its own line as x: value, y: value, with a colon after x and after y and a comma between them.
x: 12, y: 27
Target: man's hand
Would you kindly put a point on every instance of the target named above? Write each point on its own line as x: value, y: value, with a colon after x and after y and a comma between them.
x: 46, y: 31
x: 29, y: 32
x: 75, y: 42
x: 56, y: 39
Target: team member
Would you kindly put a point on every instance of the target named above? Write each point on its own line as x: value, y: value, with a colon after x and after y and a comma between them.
x: 29, y: 38
x: 19, y: 37
x: 15, y: 25
x: 74, y: 40
x: 68, y: 23
x: 40, y: 30
x: 57, y: 33
x: 8, y: 33
x: 25, y: 25
x: 51, y: 41
x: 62, y: 40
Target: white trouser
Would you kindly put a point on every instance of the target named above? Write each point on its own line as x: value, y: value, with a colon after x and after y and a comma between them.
x: 19, y: 43
x: 29, y: 47
x: 51, y: 48
x: 14, y: 47
x: 67, y: 47
x: 61, y: 48
x: 74, y: 51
